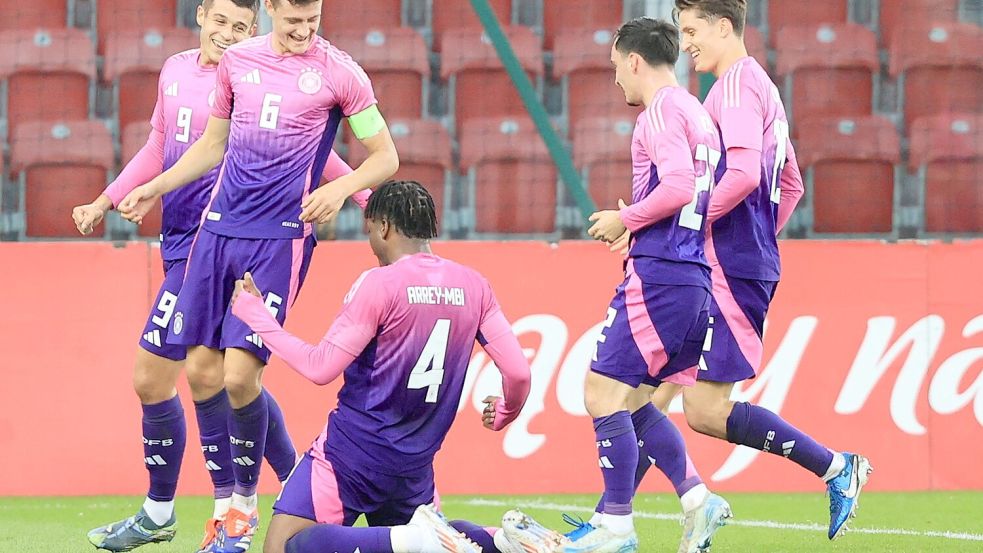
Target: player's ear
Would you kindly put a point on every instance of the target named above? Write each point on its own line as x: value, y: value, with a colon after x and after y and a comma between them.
x: 200, y: 15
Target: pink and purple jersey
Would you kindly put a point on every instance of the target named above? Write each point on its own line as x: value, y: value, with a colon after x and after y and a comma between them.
x: 412, y: 326
x: 285, y: 112
x: 747, y: 107
x: 185, y: 93
x: 675, y: 145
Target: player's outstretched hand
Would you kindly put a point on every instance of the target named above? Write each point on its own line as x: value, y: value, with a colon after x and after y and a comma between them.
x: 490, y: 412
x: 246, y: 284
x: 87, y: 217
x: 138, y: 203
x: 322, y: 205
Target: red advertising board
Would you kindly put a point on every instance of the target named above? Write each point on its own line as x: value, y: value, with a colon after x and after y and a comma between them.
x: 869, y: 347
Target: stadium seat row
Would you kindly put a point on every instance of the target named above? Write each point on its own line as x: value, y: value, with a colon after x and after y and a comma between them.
x: 506, y: 181
x: 826, y: 70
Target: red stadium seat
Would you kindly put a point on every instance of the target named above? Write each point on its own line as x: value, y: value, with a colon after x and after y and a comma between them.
x: 796, y: 13
x: 398, y: 63
x: 582, y: 58
x: 942, y: 70
x: 511, y: 176
x: 48, y: 74
x: 60, y: 165
x: 850, y: 164
x: 913, y: 16
x: 17, y: 16
x: 113, y: 16
x: 345, y: 15
x: 480, y: 86
x: 828, y: 69
x: 602, y: 152
x: 588, y: 14
x: 949, y: 151
x: 424, y: 147
x: 458, y: 15
x: 133, y: 137
x: 133, y: 63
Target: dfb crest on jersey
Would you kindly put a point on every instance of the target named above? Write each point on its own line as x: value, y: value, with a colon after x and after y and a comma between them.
x: 178, y: 323
x: 310, y: 81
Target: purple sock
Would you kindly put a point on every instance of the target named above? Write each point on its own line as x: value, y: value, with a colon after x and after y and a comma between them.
x: 618, y: 457
x: 280, y: 452
x: 477, y: 534
x: 213, y: 427
x: 763, y: 430
x: 331, y: 537
x: 247, y: 435
x: 164, y: 436
x: 662, y: 444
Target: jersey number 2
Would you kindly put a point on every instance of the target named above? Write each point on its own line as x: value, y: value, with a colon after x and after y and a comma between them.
x: 688, y: 217
x: 429, y: 369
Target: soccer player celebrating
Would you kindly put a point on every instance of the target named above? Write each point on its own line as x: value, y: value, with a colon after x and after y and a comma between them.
x: 278, y: 101
x: 403, y: 341
x: 752, y: 202
x: 657, y: 321
x: 185, y: 89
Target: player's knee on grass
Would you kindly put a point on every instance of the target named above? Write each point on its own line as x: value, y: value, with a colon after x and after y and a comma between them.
x: 282, y: 528
x: 206, y: 375
x: 154, y: 378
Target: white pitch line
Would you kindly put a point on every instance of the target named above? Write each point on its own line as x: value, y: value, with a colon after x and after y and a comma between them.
x: 558, y: 507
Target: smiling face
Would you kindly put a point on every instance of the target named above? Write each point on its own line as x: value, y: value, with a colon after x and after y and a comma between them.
x: 294, y: 25
x: 223, y: 23
x: 703, y: 39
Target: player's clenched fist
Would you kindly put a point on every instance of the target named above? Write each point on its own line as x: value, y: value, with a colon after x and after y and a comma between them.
x: 138, y: 202
x: 87, y: 217
x: 323, y: 204
x: 247, y: 285
x: 607, y: 224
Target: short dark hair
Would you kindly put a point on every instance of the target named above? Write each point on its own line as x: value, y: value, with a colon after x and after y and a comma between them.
x: 656, y: 40
x: 407, y: 206
x: 251, y: 4
x: 294, y: 2
x: 733, y: 10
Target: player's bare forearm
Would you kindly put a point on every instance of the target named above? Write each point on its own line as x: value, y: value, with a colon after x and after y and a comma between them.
x: 103, y: 202
x: 381, y: 164
x: 201, y: 157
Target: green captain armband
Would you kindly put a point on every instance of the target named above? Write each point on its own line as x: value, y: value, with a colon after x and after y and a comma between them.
x: 367, y: 123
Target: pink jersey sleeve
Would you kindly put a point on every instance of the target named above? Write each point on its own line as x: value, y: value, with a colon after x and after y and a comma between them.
x: 352, y: 87
x: 336, y: 168
x: 792, y: 189
x: 742, y: 176
x: 145, y: 165
x: 665, y: 140
x: 222, y: 108
x: 365, y: 307
x: 742, y: 111
x: 320, y: 364
x: 503, y: 347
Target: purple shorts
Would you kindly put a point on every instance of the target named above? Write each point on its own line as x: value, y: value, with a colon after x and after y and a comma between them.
x: 654, y: 333
x: 203, y: 317
x: 154, y: 336
x: 737, y: 323
x: 331, y: 492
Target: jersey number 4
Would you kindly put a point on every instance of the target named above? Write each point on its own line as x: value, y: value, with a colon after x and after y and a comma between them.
x: 429, y: 369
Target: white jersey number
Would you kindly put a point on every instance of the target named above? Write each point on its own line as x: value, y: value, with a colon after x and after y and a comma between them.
x: 612, y: 313
x: 183, y: 125
x: 271, y: 111
x: 781, y: 137
x: 166, y: 307
x: 688, y: 217
x: 429, y: 369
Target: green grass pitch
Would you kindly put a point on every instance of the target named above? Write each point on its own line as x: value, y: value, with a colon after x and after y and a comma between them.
x: 948, y: 522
